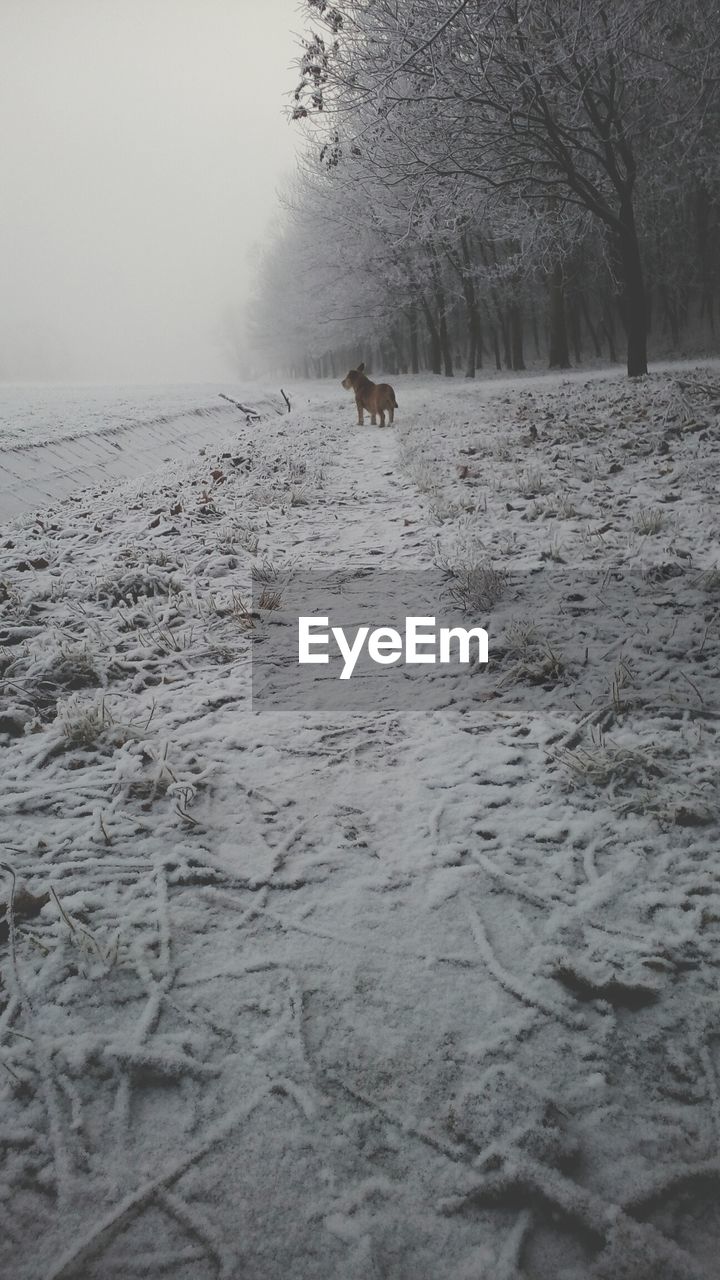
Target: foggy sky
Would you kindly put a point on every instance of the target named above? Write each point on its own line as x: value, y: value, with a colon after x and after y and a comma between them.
x: 141, y: 144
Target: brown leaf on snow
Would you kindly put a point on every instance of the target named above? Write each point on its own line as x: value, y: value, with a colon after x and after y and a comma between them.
x: 39, y: 562
x: 26, y: 906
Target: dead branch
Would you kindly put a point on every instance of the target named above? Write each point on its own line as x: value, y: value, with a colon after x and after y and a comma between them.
x: 251, y: 414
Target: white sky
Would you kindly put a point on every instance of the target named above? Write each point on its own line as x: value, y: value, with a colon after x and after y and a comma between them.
x: 141, y: 146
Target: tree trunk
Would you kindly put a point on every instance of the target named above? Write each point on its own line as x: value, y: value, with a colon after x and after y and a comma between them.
x: 489, y: 256
x: 507, y: 349
x: 474, y: 335
x: 473, y: 356
x: 574, y: 324
x: 413, y: 334
x: 516, y: 337
x: 589, y: 324
x: 633, y: 300
x: 442, y: 321
x: 704, y: 230
x: 671, y: 315
x: 496, y: 350
x: 399, y: 345
x: 433, y: 336
x: 440, y: 308
x: 444, y: 342
x: 535, y: 329
x: 559, y: 351
x: 472, y: 350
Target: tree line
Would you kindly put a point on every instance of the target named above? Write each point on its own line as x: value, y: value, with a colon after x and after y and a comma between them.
x: 485, y: 184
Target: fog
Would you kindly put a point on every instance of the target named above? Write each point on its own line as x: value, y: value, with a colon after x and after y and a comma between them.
x: 142, y: 144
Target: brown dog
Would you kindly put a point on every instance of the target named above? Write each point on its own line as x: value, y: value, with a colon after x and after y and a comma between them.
x: 376, y: 397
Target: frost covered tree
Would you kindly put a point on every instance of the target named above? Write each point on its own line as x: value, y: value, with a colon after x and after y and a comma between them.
x: 481, y: 176
x: 490, y: 181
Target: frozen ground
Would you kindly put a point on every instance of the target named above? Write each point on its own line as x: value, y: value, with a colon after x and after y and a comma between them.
x: 386, y: 995
x: 56, y: 441
x: 34, y: 413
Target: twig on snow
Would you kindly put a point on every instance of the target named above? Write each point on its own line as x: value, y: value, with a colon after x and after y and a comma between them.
x: 610, y: 1222
x: 103, y: 1231
x: 511, y: 984
x: 61, y: 1158
x: 251, y: 414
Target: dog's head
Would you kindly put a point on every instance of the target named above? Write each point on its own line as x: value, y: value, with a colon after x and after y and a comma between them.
x: 352, y: 378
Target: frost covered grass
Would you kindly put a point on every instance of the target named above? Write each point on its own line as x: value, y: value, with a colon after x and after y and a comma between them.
x: 532, y: 482
x: 93, y: 725
x: 605, y: 765
x: 349, y: 994
x: 476, y: 587
x: 648, y: 521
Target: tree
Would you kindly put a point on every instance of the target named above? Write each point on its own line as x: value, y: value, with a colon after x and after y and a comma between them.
x: 550, y: 100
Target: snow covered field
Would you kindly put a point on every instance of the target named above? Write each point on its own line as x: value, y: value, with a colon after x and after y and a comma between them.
x: 57, y: 440
x: 32, y: 414
x: 403, y: 994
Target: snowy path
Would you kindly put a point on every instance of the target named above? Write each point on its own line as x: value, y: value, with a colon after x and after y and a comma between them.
x: 385, y: 996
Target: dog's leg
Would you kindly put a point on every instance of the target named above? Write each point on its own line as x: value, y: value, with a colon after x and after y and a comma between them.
x: 361, y: 416
x: 382, y: 417
x: 373, y: 419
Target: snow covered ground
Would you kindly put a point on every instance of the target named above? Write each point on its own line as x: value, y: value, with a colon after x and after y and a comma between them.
x: 406, y: 994
x: 56, y: 441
